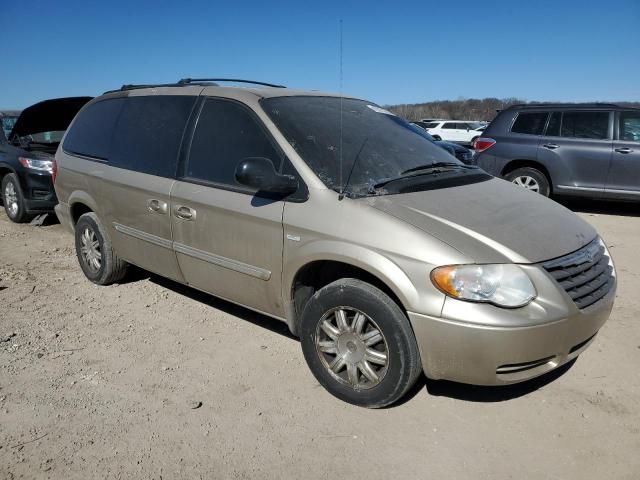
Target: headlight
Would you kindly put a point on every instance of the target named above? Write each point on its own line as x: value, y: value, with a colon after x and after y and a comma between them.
x: 35, y: 164
x: 502, y: 285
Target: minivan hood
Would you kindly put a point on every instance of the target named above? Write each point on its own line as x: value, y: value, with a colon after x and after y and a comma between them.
x: 492, y: 221
x: 48, y: 116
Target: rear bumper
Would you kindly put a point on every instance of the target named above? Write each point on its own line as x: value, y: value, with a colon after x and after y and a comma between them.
x: 64, y: 215
x: 488, y: 355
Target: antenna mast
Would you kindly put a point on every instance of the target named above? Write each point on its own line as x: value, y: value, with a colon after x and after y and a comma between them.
x: 341, y: 196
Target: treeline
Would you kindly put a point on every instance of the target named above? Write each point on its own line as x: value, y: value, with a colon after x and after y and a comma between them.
x: 463, y: 109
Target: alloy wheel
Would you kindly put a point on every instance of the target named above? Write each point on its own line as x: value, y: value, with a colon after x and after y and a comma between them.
x: 528, y: 183
x: 11, y: 198
x: 90, y: 249
x: 352, y: 348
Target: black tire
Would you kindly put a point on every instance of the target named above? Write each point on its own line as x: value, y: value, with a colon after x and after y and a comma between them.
x: 544, y: 188
x: 20, y: 215
x: 111, y: 268
x: 399, y: 344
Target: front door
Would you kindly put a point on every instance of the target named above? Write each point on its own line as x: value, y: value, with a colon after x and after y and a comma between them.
x: 228, y: 240
x: 624, y: 174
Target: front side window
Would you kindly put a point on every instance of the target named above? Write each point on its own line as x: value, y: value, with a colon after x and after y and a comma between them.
x: 593, y: 125
x: 450, y: 126
x: 432, y: 125
x: 225, y: 135
x: 630, y: 126
x: 360, y: 149
x: 530, y: 123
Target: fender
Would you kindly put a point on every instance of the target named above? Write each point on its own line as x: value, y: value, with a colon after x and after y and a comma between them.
x: 365, y: 259
x: 78, y: 196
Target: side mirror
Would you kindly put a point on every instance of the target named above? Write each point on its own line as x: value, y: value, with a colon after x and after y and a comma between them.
x: 259, y: 173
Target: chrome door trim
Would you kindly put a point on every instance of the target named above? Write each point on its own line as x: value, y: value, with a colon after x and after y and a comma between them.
x: 581, y: 189
x: 225, y: 262
x: 140, y: 235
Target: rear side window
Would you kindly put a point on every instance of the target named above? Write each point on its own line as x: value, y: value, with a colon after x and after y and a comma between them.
x: 594, y: 125
x: 553, y: 129
x: 630, y: 126
x: 226, y: 133
x: 90, y: 134
x: 148, y: 134
x: 531, y: 123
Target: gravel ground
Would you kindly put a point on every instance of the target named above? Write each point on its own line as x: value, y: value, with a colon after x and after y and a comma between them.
x: 149, y: 379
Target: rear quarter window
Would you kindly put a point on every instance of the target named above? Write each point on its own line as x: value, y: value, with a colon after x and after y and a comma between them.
x: 90, y: 133
x: 530, y: 123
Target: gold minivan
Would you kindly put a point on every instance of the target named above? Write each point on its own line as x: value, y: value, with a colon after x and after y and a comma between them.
x: 382, y: 252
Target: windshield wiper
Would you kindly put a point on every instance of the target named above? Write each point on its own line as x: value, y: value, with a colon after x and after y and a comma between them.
x: 428, y: 169
x: 429, y: 166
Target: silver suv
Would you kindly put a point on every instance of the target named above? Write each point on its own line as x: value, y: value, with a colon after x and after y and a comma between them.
x: 381, y: 251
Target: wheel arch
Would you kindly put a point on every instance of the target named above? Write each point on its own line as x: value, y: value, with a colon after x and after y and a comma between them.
x: 323, y: 265
x: 515, y: 164
x: 79, y: 204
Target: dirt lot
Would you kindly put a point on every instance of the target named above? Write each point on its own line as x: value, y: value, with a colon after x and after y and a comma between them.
x: 101, y: 382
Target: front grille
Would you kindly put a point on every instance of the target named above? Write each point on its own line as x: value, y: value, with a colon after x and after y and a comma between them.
x: 586, y: 274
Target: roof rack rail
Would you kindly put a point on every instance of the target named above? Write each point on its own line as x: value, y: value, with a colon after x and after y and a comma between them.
x: 188, y: 81
x: 185, y: 82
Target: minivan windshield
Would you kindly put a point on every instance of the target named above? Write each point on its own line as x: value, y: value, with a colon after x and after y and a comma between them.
x: 381, y: 153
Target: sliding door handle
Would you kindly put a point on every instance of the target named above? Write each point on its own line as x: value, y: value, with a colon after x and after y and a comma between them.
x: 158, y: 206
x: 185, y: 213
x: 550, y: 146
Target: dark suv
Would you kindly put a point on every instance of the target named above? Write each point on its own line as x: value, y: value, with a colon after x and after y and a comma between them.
x: 26, y: 156
x: 566, y: 149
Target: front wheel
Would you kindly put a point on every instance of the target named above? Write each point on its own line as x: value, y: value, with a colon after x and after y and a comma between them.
x: 13, y: 199
x: 359, y: 344
x: 530, y: 179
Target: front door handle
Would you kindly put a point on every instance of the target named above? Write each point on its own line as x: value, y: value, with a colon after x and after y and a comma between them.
x: 624, y: 150
x: 550, y: 146
x: 157, y: 205
x: 185, y: 213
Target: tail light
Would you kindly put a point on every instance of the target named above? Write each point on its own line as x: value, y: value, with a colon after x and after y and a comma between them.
x: 483, y: 143
x: 54, y: 170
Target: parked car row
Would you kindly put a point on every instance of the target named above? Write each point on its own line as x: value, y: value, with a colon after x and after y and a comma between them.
x: 386, y: 255
x: 458, y: 131
x: 590, y: 150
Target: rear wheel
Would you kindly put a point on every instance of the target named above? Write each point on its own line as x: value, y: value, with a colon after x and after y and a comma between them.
x: 98, y: 260
x: 530, y: 179
x: 13, y: 199
x: 359, y: 345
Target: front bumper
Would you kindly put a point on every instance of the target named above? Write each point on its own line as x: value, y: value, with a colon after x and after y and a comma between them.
x: 38, y: 192
x: 492, y: 355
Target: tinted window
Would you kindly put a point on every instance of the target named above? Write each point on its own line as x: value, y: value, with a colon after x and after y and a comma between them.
x: 91, y: 131
x: 630, y: 126
x: 585, y: 125
x: 148, y: 133
x: 553, y: 129
x: 450, y: 126
x: 226, y: 134
x: 432, y: 125
x: 530, y: 123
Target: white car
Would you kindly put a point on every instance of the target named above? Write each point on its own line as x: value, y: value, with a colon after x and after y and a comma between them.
x: 457, y: 131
